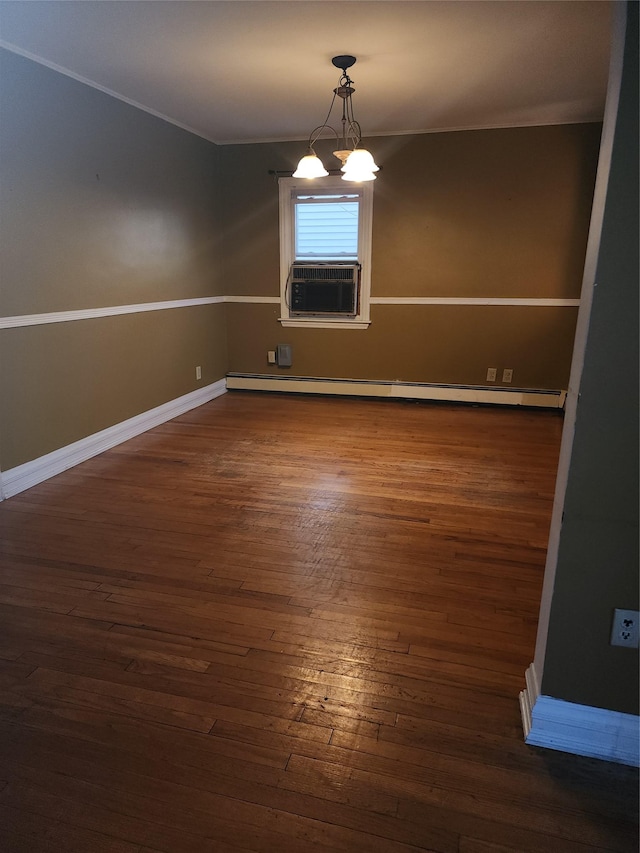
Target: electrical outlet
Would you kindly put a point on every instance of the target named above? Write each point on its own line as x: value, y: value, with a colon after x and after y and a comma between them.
x: 507, y: 374
x: 271, y: 356
x: 624, y: 630
x: 492, y: 372
x: 198, y: 372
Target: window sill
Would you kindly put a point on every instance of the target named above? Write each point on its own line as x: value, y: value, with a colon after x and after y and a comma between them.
x: 299, y: 322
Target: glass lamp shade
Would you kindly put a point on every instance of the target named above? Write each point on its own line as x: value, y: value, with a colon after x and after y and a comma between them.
x: 310, y: 167
x: 358, y: 177
x: 360, y: 160
x: 343, y: 155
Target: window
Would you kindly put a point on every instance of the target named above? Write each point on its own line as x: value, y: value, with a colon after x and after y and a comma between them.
x: 326, y: 227
x: 325, y: 253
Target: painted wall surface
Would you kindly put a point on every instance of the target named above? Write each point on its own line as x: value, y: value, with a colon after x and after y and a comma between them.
x: 412, y: 344
x: 102, y: 205
x: 502, y: 213
x: 64, y: 381
x: 499, y: 213
x: 597, y: 567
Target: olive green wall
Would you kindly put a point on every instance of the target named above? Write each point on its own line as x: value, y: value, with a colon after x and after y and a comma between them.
x: 102, y: 205
x: 597, y: 568
x: 64, y: 381
x: 496, y: 213
x: 500, y: 213
x: 413, y: 344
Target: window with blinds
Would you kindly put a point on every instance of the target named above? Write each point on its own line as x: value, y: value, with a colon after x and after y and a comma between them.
x: 325, y: 232
x: 326, y: 227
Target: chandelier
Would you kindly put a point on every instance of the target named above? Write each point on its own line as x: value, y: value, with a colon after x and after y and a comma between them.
x: 357, y: 163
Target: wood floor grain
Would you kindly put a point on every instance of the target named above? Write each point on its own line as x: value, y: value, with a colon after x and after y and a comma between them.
x: 284, y: 623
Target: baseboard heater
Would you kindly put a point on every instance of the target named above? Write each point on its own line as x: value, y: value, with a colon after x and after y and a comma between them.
x: 400, y: 390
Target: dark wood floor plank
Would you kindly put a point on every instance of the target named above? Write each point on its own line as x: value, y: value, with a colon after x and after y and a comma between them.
x: 213, y: 792
x: 473, y: 845
x: 290, y: 623
x: 147, y: 748
x: 529, y: 826
x: 547, y: 831
x: 24, y: 832
x: 200, y: 811
x: 83, y: 809
x: 199, y: 645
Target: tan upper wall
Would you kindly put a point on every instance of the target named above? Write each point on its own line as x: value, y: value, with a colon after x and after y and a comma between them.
x: 484, y: 213
x: 496, y: 213
x: 501, y: 213
x: 102, y: 204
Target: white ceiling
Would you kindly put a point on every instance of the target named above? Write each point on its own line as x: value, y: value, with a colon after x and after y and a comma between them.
x: 242, y: 71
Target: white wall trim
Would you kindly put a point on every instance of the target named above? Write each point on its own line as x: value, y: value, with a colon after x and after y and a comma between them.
x: 21, y: 320
x: 578, y: 729
x: 310, y: 323
x: 258, y: 300
x: 110, y: 311
x: 480, y: 300
x: 398, y: 390
x: 25, y: 476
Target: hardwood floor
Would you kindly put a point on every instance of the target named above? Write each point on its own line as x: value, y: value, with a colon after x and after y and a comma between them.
x: 290, y: 624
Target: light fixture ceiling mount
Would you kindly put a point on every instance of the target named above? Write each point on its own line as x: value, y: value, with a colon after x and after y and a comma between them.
x: 343, y: 62
x: 357, y: 163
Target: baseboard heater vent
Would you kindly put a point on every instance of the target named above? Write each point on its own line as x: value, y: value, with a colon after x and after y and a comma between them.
x: 401, y: 390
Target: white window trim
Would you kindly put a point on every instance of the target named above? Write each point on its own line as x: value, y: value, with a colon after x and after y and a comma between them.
x: 365, y: 223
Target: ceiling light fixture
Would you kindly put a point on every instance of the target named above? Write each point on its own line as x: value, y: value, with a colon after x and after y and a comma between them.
x: 357, y: 163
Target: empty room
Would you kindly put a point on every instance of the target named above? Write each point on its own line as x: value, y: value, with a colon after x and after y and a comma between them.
x: 319, y: 426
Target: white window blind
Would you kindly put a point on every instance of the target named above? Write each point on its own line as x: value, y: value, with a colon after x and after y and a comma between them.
x: 326, y: 227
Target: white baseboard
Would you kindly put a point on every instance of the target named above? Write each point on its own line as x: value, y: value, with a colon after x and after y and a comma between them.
x: 399, y: 390
x: 578, y: 729
x: 25, y: 476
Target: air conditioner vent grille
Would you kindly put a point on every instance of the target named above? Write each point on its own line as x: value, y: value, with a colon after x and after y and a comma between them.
x: 328, y: 272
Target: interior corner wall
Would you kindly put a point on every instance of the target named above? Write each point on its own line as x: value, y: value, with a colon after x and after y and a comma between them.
x: 597, y: 561
x: 460, y: 216
x: 103, y: 205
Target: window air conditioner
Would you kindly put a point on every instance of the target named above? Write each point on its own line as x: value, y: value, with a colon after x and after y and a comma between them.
x: 324, y: 289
